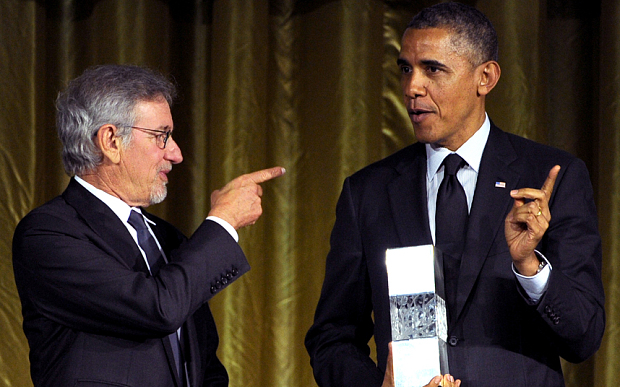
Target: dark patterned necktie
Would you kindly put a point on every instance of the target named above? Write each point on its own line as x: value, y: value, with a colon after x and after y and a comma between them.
x: 451, y: 226
x: 146, y: 242
x: 156, y: 260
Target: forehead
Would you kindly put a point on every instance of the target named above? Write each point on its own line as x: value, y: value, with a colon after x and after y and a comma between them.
x: 428, y: 44
x: 156, y: 114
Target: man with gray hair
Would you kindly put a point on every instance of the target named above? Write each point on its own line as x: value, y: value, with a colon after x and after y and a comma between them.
x: 522, y: 266
x: 112, y: 295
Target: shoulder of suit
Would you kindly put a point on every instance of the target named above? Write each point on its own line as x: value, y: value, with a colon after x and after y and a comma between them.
x: 525, y: 146
x: 54, y: 215
x: 389, y: 164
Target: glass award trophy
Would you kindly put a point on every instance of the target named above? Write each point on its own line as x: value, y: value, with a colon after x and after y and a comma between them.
x: 418, y: 314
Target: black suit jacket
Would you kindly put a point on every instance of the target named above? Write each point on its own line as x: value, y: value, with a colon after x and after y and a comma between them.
x: 499, y: 337
x: 93, y: 316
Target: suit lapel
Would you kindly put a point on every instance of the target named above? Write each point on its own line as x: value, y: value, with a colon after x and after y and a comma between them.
x: 102, y: 220
x: 407, y: 195
x: 491, y: 203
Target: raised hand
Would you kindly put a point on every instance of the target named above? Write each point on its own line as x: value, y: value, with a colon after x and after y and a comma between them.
x: 239, y: 201
x: 527, y: 222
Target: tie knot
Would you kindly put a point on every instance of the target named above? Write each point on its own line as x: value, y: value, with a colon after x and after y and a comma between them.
x: 452, y: 163
x: 136, y: 220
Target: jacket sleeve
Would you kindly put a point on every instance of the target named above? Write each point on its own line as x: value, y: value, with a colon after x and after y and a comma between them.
x: 573, y: 304
x: 338, y: 340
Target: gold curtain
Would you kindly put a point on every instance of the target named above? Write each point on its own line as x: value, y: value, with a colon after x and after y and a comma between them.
x: 311, y: 86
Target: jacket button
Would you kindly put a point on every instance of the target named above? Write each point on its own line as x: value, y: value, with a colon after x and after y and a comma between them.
x: 453, y: 341
x: 229, y: 275
x: 218, y: 284
x: 224, y: 280
x: 234, y: 271
x: 213, y: 289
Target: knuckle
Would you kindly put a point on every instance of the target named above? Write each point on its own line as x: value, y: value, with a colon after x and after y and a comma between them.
x: 264, y: 176
x: 239, y: 180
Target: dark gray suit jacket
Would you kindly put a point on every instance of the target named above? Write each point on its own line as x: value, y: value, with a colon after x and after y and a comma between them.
x: 93, y: 316
x: 499, y: 337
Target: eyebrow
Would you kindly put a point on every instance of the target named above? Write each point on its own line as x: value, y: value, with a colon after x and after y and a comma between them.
x: 434, y: 63
x: 425, y: 62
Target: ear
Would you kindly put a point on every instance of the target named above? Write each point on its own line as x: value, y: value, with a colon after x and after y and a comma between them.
x: 489, y: 74
x: 109, y: 143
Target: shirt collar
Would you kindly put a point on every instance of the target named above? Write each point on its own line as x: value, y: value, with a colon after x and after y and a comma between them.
x: 119, y: 207
x: 470, y: 151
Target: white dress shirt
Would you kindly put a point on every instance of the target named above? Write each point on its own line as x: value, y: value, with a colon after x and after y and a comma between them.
x: 471, y: 152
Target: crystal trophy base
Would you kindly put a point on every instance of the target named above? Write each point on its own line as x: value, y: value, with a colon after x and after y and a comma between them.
x: 418, y: 314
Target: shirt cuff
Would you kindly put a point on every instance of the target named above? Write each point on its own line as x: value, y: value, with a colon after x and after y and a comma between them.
x: 231, y: 230
x: 536, y: 285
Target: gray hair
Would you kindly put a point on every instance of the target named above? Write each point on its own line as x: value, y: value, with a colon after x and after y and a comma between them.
x: 473, y: 34
x: 103, y: 95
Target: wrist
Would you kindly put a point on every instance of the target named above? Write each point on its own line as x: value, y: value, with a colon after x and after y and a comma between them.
x: 530, y: 266
x: 541, y: 265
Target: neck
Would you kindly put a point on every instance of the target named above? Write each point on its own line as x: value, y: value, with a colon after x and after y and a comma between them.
x: 103, y: 179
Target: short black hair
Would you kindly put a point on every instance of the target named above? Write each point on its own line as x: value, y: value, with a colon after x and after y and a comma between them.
x: 472, y: 30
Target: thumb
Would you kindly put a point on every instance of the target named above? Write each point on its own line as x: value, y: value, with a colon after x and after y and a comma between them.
x: 435, y: 382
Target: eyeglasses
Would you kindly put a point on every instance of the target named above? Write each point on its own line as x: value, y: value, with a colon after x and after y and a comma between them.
x: 161, y: 136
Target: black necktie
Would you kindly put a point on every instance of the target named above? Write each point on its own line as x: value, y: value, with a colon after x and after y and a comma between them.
x: 156, y: 260
x: 146, y: 242
x: 451, y: 226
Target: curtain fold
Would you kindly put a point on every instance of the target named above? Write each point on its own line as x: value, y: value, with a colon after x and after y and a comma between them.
x: 312, y: 86
x: 18, y: 106
x: 608, y: 147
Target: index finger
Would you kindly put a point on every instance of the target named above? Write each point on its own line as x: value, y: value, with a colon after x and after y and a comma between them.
x: 550, y: 182
x: 265, y: 174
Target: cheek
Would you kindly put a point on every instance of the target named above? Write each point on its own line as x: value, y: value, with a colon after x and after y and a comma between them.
x: 454, y: 98
x: 444, y: 98
x: 403, y: 87
x: 143, y: 173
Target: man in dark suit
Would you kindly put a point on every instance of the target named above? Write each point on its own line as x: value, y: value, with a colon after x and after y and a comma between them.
x: 527, y: 288
x: 111, y: 295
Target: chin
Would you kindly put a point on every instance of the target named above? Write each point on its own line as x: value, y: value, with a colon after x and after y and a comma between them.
x: 421, y: 137
x: 158, y: 196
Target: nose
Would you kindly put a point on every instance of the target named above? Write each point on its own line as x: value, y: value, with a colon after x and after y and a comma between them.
x: 173, y: 152
x: 413, y: 85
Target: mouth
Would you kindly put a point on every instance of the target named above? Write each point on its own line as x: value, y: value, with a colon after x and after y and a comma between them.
x: 418, y: 115
x: 163, y: 174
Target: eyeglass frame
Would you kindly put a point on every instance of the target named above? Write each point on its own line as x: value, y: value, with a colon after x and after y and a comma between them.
x: 166, y: 133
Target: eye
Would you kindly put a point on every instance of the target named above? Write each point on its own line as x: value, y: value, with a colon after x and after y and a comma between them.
x: 405, y: 69
x: 433, y: 69
x: 163, y: 138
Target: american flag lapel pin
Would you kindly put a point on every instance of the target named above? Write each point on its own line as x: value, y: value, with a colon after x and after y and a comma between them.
x: 500, y: 184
